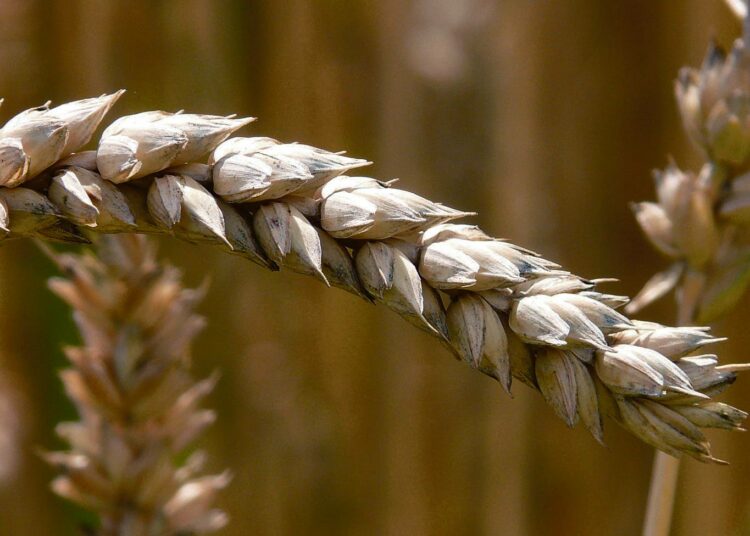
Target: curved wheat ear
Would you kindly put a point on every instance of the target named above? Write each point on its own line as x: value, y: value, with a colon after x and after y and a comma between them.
x: 502, y: 309
x: 138, y: 405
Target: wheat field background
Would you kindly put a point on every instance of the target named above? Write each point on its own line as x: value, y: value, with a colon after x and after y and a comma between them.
x: 337, y: 417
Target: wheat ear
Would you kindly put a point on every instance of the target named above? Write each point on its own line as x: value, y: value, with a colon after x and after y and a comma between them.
x: 502, y: 309
x: 138, y: 404
x: 700, y: 219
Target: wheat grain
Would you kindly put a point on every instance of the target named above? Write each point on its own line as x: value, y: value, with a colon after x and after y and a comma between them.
x: 138, y: 405
x: 510, y: 312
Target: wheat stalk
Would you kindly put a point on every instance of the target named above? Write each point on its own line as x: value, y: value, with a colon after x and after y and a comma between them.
x: 138, y: 404
x: 502, y: 309
x: 12, y: 416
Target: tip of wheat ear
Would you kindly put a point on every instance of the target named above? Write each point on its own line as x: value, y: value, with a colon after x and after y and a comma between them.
x: 503, y: 309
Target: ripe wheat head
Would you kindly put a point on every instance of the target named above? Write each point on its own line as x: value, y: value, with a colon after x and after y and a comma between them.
x: 501, y: 308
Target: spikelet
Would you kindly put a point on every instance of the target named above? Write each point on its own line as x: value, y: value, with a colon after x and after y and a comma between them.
x: 260, y: 169
x: 27, y: 211
x: 289, y: 239
x: 479, y: 337
x: 363, y: 208
x: 137, y: 145
x: 37, y: 138
x: 389, y: 277
x: 556, y: 376
x: 670, y: 342
x: 179, y: 200
x: 87, y: 199
x: 463, y: 257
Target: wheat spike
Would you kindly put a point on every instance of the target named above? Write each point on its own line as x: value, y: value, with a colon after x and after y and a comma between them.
x: 502, y: 309
x: 138, y: 405
x: 699, y: 220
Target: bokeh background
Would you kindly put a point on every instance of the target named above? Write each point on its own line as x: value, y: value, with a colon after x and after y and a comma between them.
x: 335, y: 416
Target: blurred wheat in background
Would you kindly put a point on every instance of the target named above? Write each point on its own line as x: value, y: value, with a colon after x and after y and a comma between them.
x: 138, y: 405
x: 375, y: 435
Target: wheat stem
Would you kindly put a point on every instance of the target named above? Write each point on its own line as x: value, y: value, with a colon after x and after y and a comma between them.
x: 661, y: 495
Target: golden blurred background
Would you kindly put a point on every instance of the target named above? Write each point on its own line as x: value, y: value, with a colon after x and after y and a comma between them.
x: 335, y: 416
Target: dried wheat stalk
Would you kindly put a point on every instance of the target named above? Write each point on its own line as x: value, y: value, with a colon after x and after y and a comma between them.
x: 510, y: 312
x: 138, y: 404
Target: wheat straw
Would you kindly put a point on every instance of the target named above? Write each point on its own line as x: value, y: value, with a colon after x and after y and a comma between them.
x: 12, y: 405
